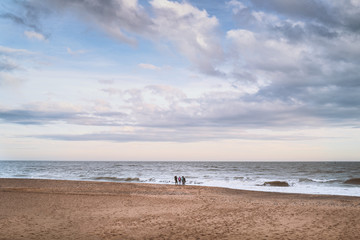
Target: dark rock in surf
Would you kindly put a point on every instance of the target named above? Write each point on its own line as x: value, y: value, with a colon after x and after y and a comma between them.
x: 353, y: 181
x: 276, y: 184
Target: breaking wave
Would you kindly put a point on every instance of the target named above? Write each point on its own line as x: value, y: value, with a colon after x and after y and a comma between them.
x: 111, y: 179
x: 319, y: 180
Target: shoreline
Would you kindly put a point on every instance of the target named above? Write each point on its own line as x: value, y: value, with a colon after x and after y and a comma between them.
x: 188, y: 185
x: 66, y: 209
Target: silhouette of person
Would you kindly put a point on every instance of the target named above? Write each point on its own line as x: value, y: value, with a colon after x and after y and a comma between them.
x: 183, y: 180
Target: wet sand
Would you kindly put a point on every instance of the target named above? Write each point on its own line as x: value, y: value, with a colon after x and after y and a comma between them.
x: 48, y: 209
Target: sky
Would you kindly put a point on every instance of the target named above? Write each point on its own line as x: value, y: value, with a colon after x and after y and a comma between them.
x: 217, y: 80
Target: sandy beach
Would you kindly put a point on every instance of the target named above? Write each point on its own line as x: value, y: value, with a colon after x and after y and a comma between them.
x: 48, y: 209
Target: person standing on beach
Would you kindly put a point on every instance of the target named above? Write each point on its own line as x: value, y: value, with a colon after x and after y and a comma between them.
x: 179, y: 179
x: 176, y: 180
x: 183, y: 180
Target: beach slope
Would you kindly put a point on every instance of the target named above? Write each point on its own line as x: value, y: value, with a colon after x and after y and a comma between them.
x: 49, y: 209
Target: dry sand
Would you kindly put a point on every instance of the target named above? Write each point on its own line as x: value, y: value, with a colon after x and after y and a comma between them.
x: 45, y: 209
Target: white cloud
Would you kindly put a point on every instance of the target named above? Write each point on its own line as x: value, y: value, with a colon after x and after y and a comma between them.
x: 190, y: 30
x: 34, y: 35
x: 121, y: 19
x: 256, y: 51
x: 7, y: 65
x: 236, y: 6
x: 75, y: 52
x: 8, y: 50
x: 297, y: 80
x: 149, y: 66
x: 193, y: 32
x: 9, y: 80
x: 106, y: 81
x: 11, y: 61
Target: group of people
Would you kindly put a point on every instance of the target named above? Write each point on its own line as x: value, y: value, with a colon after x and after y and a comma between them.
x: 180, y: 180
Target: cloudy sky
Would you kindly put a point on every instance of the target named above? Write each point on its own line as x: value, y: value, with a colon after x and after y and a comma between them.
x: 180, y: 80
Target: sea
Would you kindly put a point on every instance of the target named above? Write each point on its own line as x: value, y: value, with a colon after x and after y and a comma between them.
x: 301, y: 177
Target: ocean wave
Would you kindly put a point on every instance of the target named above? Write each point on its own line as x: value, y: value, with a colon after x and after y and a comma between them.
x: 151, y: 180
x: 213, y: 169
x: 238, y: 178
x: 329, y: 171
x: 20, y: 175
x: 116, y: 179
x: 319, y: 180
x: 245, y: 179
x: 196, y: 182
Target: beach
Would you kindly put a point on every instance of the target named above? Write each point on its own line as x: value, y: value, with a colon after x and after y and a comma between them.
x: 56, y: 209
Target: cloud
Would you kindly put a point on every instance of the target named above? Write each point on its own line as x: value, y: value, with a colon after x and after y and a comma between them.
x: 106, y: 81
x: 96, y: 113
x: 7, y: 65
x: 149, y: 66
x: 26, y: 14
x: 270, y: 107
x: 180, y: 135
x: 7, y: 79
x: 10, y: 62
x: 341, y: 14
x: 166, y: 113
x: 307, y: 9
x: 191, y: 31
x: 121, y: 19
x: 279, y: 55
x: 7, y: 50
x: 298, y: 52
x: 35, y: 117
x: 19, y: 20
x: 194, y: 33
x: 26, y: 117
x: 34, y: 35
x: 30, y: 116
x: 76, y: 52
x: 290, y: 64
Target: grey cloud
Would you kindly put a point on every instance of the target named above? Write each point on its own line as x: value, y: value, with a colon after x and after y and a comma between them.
x: 28, y: 15
x: 7, y: 66
x: 36, y: 117
x: 330, y: 104
x: 319, y: 77
x: 191, y: 31
x: 19, y: 20
x: 309, y: 79
x: 277, y: 105
x: 305, y: 9
x: 339, y: 14
x: 28, y: 117
x: 297, y: 34
x: 290, y: 27
x: 11, y: 61
x: 213, y: 116
x: 106, y: 81
x: 121, y: 137
x: 194, y: 134
x: 120, y: 19
x: 14, y: 51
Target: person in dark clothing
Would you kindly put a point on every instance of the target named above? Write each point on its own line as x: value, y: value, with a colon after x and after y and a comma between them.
x: 176, y: 180
x: 183, y: 180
